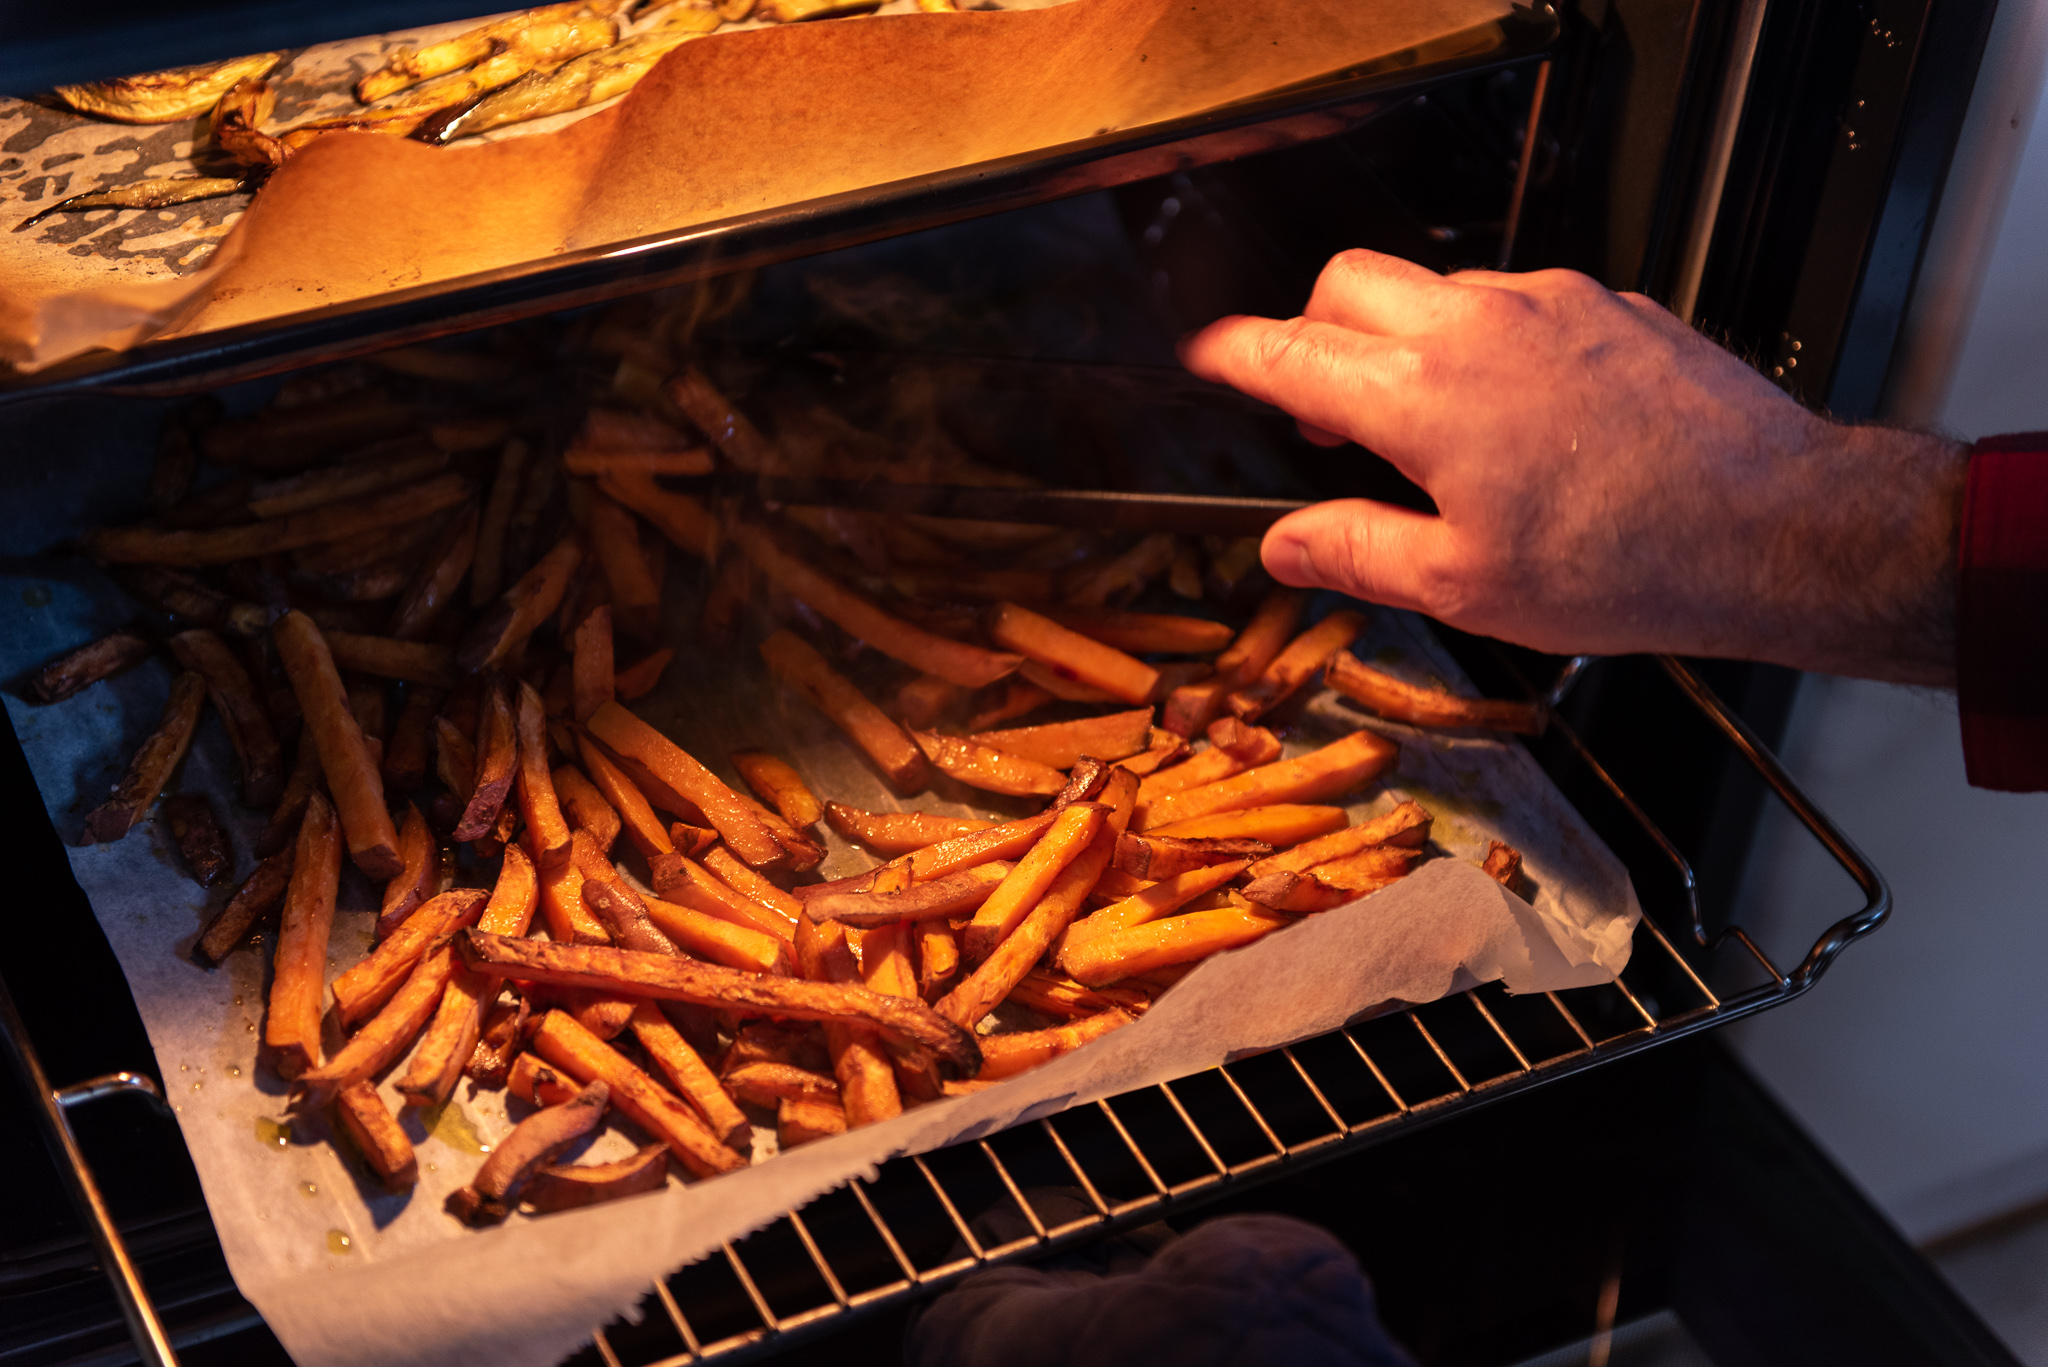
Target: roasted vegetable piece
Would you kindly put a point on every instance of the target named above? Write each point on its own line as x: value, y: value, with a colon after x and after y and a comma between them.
x: 154, y: 763
x: 291, y: 1028
x: 589, y: 79
x: 797, y: 663
x: 183, y: 92
x: 532, y: 1142
x: 353, y: 780
x: 258, y: 899
x: 586, y: 1184
x: 377, y: 1135
x: 198, y: 836
x: 87, y: 665
x: 1384, y: 695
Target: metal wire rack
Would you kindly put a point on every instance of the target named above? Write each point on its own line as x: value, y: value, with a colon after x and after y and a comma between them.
x: 927, y: 1220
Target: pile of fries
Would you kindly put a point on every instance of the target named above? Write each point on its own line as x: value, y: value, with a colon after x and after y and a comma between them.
x: 426, y: 607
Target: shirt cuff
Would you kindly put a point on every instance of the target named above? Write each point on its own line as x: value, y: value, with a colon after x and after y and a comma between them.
x: 2002, y: 614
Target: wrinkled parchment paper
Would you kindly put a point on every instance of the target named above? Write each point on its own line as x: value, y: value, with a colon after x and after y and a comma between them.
x: 734, y: 123
x: 349, y: 1276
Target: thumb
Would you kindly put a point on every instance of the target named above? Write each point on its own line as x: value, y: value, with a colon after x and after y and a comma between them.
x: 1368, y: 550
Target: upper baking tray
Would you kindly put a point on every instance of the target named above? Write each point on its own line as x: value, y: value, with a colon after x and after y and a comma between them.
x: 1295, y: 114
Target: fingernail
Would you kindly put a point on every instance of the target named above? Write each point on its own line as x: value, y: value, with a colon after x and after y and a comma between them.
x: 1287, y: 560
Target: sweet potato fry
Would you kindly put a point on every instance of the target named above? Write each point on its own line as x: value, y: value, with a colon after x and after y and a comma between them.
x: 1062, y: 744
x: 681, y: 880
x: 1242, y: 747
x: 570, y: 1186
x: 678, y: 517
x: 414, y: 661
x: 1155, y: 857
x: 497, y: 764
x: 1070, y: 655
x: 1293, y: 667
x: 191, y: 601
x: 626, y: 735
x: 886, y: 968
x: 1337, y: 768
x: 927, y: 698
x: 766, y: 1082
x: 894, y: 833
x: 1368, y: 870
x: 614, y: 440
x: 155, y: 761
x: 450, y: 1042
x: 332, y: 564
x: 87, y: 665
x: 498, y: 1041
x: 580, y: 1054
x: 1008, y: 1055
x: 201, y: 845
x: 420, y: 858
x: 547, y: 833
x: 506, y: 624
x: 569, y: 921
x: 1055, y: 994
x: 637, y: 818
x: 304, y: 779
x: 799, y: 1122
x: 1299, y: 893
x: 635, y: 595
x: 1055, y: 684
x: 489, y: 1196
x: 258, y: 899
x: 991, y: 770
x: 1504, y: 865
x: 1279, y: 612
x: 1162, y: 747
x: 955, y: 661
x: 533, y: 1081
x: 867, y: 1080
x: 1161, y: 944
x: 1408, y: 824
x: 365, y: 987
x: 1279, y: 825
x: 377, y: 1135
x: 487, y: 576
x: 638, y: 679
x: 584, y: 807
x: 1161, y: 899
x: 779, y: 785
x: 291, y: 1027
x: 1144, y: 633
x: 717, y: 940
x: 729, y: 429
x: 798, y: 664
x: 514, y: 898
x: 388, y: 1033
x: 334, y: 483
x: 1015, y: 955
x: 435, y: 583
x: 692, y: 840
x: 1005, y: 908
x: 352, y: 780
x: 743, y: 880
x: 955, y: 895
x: 592, y: 684
x: 405, y: 757
x: 689, y: 1074
x: 218, y: 545
x: 1120, y: 579
x: 291, y: 435
x: 1006, y: 840
x: 650, y: 975
x: 1384, y: 695
x: 1016, y: 697
x: 938, y: 959
x: 1193, y: 706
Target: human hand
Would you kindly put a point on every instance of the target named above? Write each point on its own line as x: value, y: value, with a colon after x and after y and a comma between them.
x: 1606, y: 479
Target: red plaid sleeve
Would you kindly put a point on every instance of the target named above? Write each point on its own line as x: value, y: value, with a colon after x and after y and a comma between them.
x: 2002, y: 614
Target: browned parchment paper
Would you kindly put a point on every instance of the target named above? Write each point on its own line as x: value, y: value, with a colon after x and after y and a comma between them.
x: 737, y: 122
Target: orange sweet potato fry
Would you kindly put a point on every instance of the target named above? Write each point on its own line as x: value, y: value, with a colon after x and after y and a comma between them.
x: 533, y: 1081
x: 679, y: 517
x: 504, y: 625
x: 1280, y: 824
x: 1240, y: 748
x: 1384, y: 695
x: 515, y: 897
x: 749, y: 884
x: 689, y: 1074
x: 626, y: 735
x: 1070, y: 655
x: 547, y: 833
x: 584, y: 807
x: 1408, y: 824
x: 586, y: 1058
x: 1337, y: 768
x: 561, y: 903
x: 571, y: 1186
x: 1008, y: 1055
x: 1144, y: 633
x: 776, y: 783
x: 1062, y: 745
x: 1016, y: 697
x: 799, y: 665
x: 938, y: 959
x: 867, y: 1081
x: 154, y: 763
x: 1162, y: 944
x: 804, y: 852
x: 591, y: 682
x: 450, y: 1042
x: 1368, y: 870
x: 955, y: 895
x: 256, y: 900
x: 635, y: 594
x: 799, y: 1122
x: 389, y: 658
x: 240, y: 709
x: 1006, y: 840
x: 641, y: 825
x: 367, y: 985
x: 435, y: 583
x: 681, y: 880
x: 87, y: 665
x: 992, y: 770
x: 377, y: 1135
x: 387, y: 1034
x: 353, y: 780
x: 1154, y: 857
x: 417, y: 880
x: 894, y: 833
x: 765, y: 1082
x: 1021, y: 890
x: 1293, y: 667
x: 1162, y: 898
x: 926, y: 698
x: 291, y: 1028
x: 497, y: 764
x: 1055, y: 994
x: 638, y: 679
x: 717, y: 940
x: 1262, y: 638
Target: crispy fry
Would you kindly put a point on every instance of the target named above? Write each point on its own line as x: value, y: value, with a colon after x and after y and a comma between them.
x: 87, y: 665
x: 1338, y: 768
x: 1009, y: 1055
x: 506, y: 624
x: 1408, y: 824
x: 626, y: 735
x: 719, y: 940
x: 1384, y: 695
x: 766, y: 1082
x: 547, y: 833
x: 1144, y: 633
x: 1153, y: 856
x: 938, y: 959
x: 681, y: 880
x: 678, y: 517
x: 926, y: 698
x: 352, y: 779
x: 414, y: 661
x: 1070, y: 656
x: 730, y: 430
x: 1022, y: 889
x: 689, y: 1075
x: 649, y: 975
x: 1019, y: 697
x: 415, y: 882
x: 435, y: 582
x: 955, y: 661
x: 775, y: 782
x: 497, y: 764
x: 366, y: 986
x: 291, y: 1028
x: 258, y: 899
x: 377, y: 1136
x: 1241, y: 747
x: 1504, y: 865
x: 1279, y: 825
x: 1006, y: 840
x: 1161, y: 944
x: 867, y: 1081
x: 189, y: 600
x: 561, y: 906
x: 533, y: 1081
x: 1368, y: 870
x: 1054, y: 994
x: 1162, y: 747
x: 1012, y: 958
x: 155, y: 761
x: 487, y: 573
x: 985, y: 767
x: 570, y: 1186
x: 577, y: 1052
x: 799, y: 665
x: 485, y: 1201
x: 955, y: 895
x: 1293, y: 667
x: 334, y: 483
x: 387, y: 1034
x: 1263, y: 637
x: 642, y: 827
x: 405, y: 758
x: 201, y: 845
x: 1062, y: 744
x: 217, y: 546
x: 450, y: 1042
x: 1161, y: 899
x: 894, y: 833
x: 743, y: 880
x: 592, y: 683
x: 584, y: 807
x: 799, y: 1122
x: 1299, y: 893
x: 305, y: 779
x: 635, y: 594
x: 498, y: 1041
x: 638, y: 679
x: 886, y: 968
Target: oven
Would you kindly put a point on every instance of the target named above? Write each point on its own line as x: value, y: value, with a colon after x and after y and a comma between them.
x: 1769, y: 169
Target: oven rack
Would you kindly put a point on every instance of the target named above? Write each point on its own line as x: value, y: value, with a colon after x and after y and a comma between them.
x: 1052, y: 1185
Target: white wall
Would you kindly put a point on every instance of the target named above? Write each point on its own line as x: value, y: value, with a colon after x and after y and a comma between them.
x: 1921, y: 1060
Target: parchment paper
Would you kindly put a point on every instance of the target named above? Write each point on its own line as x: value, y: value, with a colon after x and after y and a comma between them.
x: 346, y: 1274
x: 738, y: 122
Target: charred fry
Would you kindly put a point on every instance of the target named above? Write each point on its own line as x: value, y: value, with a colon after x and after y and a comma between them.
x: 952, y: 896
x: 201, y: 845
x: 1157, y: 857
x: 259, y: 897
x: 570, y: 1186
x: 497, y: 765
x: 87, y: 665
x: 1384, y: 695
x: 532, y: 1142
x: 417, y: 877
x: 154, y: 763
x: 291, y: 1029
